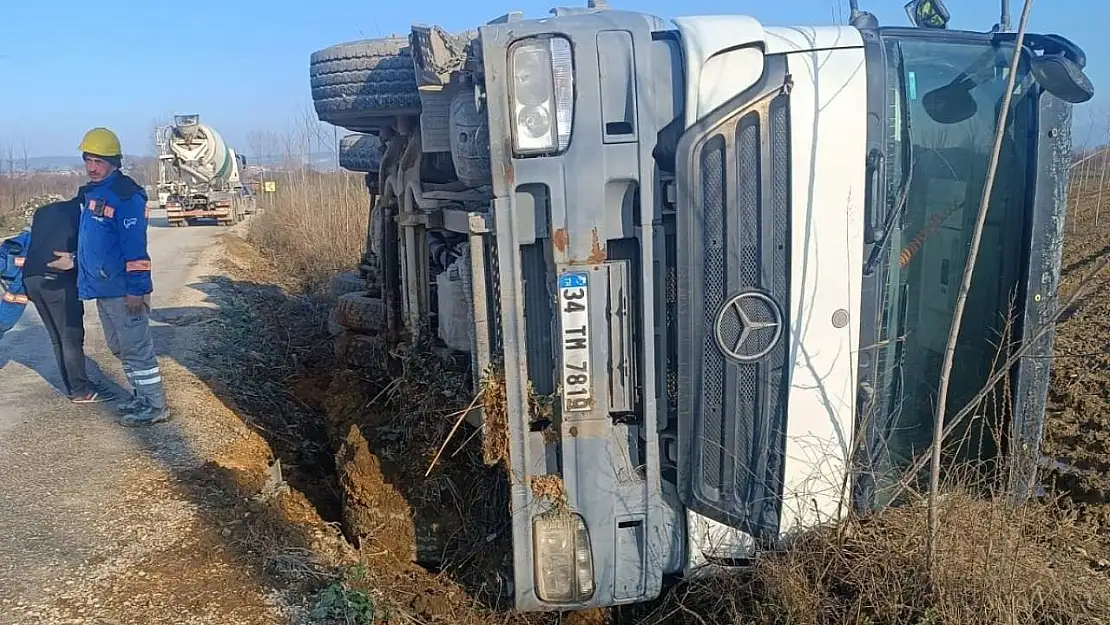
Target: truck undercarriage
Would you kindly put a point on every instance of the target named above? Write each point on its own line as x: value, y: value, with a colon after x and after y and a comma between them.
x: 718, y: 255
x: 227, y: 209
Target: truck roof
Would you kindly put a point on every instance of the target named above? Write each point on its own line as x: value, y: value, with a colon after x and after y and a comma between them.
x: 723, y: 54
x: 709, y: 35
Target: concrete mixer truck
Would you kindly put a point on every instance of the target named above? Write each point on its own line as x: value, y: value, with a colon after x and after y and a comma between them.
x: 199, y: 175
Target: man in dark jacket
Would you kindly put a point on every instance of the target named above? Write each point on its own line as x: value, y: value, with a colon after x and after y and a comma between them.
x: 113, y: 268
x: 50, y: 279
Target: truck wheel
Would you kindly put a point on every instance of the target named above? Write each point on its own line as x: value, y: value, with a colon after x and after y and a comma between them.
x: 361, y: 313
x: 361, y: 153
x: 346, y: 282
x: 360, y: 85
x: 361, y: 351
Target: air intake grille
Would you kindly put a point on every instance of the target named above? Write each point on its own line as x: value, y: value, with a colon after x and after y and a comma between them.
x: 735, y: 317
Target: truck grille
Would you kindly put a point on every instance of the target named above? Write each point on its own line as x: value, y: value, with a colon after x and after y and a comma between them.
x: 735, y: 322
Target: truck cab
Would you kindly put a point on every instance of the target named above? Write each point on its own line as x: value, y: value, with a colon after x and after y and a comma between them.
x: 728, y: 254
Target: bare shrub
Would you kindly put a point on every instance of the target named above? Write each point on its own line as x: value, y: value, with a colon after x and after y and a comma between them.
x: 314, y: 225
x: 20, y: 191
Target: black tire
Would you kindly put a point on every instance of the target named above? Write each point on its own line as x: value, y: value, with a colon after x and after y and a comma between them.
x: 355, y: 85
x: 361, y: 153
x: 361, y: 313
x: 361, y: 351
x: 347, y: 282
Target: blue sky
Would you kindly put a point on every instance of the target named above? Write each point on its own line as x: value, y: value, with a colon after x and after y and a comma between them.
x: 243, y: 65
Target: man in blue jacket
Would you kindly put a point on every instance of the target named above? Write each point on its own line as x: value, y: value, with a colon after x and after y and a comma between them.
x: 113, y: 268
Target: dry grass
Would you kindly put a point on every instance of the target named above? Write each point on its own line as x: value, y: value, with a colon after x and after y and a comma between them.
x: 996, y: 564
x: 495, y: 418
x: 313, y: 226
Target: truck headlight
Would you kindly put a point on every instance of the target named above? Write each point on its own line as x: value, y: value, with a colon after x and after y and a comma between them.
x: 564, y: 564
x: 541, y: 94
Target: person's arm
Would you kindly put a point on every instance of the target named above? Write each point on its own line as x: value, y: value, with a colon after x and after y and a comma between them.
x: 131, y: 223
x: 65, y: 259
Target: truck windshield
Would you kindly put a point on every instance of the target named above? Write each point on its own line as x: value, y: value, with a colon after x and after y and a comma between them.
x: 942, y: 124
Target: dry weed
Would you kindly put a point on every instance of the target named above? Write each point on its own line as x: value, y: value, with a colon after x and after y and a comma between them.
x: 996, y: 564
x: 21, y: 192
x: 549, y: 488
x: 314, y: 225
x: 495, y: 418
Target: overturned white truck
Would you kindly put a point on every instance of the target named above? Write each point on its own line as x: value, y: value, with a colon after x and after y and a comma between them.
x: 730, y: 251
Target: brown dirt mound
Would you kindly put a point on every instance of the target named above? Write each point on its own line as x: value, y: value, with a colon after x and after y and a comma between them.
x: 458, y: 507
x: 381, y: 434
x: 373, y: 511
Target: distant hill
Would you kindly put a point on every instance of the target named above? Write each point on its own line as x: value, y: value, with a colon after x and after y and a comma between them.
x: 47, y: 163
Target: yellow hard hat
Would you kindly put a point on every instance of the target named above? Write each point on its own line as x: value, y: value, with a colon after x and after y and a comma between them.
x: 101, y: 142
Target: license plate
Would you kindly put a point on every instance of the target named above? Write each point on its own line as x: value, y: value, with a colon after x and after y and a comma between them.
x: 574, y: 315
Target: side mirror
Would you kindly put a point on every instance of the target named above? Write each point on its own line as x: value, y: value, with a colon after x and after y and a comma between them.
x: 928, y: 13
x: 1062, y: 77
x: 952, y: 103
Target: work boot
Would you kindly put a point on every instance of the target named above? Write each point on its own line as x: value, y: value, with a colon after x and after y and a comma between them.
x: 131, y: 404
x: 145, y: 415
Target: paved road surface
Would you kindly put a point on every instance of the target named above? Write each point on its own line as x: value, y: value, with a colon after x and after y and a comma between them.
x: 76, y: 503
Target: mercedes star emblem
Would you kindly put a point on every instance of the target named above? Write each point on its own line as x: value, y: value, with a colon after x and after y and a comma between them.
x: 749, y: 326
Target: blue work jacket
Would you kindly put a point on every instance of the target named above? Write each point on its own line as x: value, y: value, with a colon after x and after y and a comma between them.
x: 112, y: 258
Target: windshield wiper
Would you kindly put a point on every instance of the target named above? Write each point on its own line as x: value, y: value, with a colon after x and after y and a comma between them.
x: 888, y: 225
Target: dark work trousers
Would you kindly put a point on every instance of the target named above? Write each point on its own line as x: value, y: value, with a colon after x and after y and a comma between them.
x: 63, y: 314
x: 129, y: 337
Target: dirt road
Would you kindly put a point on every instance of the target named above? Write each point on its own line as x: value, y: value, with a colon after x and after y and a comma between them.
x: 101, y: 524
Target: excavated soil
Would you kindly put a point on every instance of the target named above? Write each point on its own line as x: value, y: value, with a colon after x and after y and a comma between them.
x: 432, y: 532
x: 1077, y: 435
